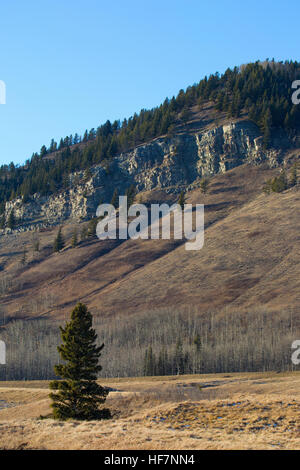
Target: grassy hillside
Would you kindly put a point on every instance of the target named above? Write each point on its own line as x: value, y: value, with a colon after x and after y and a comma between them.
x: 242, y: 285
x: 249, y: 259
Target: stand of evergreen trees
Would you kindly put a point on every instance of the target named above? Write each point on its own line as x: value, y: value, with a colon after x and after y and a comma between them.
x: 280, y: 183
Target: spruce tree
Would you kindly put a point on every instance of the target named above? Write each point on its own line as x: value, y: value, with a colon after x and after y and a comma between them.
x: 181, y: 200
x: 78, y: 395
x: 59, y: 241
x: 92, y: 227
x: 11, y: 223
x: 179, y: 358
x: 149, y: 362
x: 114, y: 199
x: 185, y: 114
x: 197, y: 343
x: 294, y: 176
x: 280, y: 183
x: 131, y: 194
x: 74, y: 238
x: 84, y: 233
x: 204, y: 185
x: 36, y: 244
x: 162, y: 363
x: 266, y: 126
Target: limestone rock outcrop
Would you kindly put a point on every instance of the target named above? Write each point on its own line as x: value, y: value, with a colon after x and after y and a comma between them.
x: 164, y: 163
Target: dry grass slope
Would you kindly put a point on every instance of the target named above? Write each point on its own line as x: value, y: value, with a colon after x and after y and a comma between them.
x: 250, y: 257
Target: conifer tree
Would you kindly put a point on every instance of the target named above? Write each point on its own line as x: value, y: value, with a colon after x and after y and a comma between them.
x: 162, y: 363
x: 84, y: 233
x: 197, y: 343
x: 179, y: 358
x: 74, y: 238
x: 280, y: 183
x: 114, y: 199
x: 181, y: 200
x: 185, y: 115
x: 59, y: 241
x: 85, y: 136
x: 149, y: 362
x: 294, y: 176
x: 204, y: 185
x: 78, y: 395
x: 131, y: 194
x: 92, y: 227
x: 11, y: 223
x: 36, y: 244
x: 266, y: 126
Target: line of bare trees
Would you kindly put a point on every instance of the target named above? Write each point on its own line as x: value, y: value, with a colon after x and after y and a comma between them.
x: 162, y: 342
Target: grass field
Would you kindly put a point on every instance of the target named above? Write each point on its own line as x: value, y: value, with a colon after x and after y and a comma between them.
x: 221, y: 411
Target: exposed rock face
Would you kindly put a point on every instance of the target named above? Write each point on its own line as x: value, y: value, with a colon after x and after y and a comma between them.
x: 168, y: 163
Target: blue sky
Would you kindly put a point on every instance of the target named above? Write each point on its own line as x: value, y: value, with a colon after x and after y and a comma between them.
x: 71, y: 65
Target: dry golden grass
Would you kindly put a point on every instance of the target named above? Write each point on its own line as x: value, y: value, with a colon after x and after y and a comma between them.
x: 261, y: 231
x: 232, y: 411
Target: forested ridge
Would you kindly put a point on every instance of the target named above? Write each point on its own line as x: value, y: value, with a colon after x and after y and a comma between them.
x: 263, y: 90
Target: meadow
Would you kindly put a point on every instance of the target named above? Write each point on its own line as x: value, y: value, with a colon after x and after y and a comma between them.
x: 212, y: 411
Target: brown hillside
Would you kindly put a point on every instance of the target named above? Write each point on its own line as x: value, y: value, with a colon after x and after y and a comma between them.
x: 250, y: 259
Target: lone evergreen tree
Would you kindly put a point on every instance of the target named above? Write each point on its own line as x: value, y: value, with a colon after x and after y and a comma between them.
x: 35, y: 243
x: 266, y: 126
x: 74, y: 238
x: 78, y: 395
x: 185, y: 114
x: 131, y: 194
x: 11, y: 223
x: 181, y: 200
x: 294, y: 176
x: 59, y: 241
x: 179, y: 359
x: 280, y: 183
x: 149, y: 362
x: 114, y: 200
x: 92, y: 227
x: 84, y: 233
x: 204, y: 185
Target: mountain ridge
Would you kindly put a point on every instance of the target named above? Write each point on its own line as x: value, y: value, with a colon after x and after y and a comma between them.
x: 170, y: 164
x: 229, y: 151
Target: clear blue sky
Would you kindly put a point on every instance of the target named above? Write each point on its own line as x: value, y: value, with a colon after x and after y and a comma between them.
x: 71, y: 65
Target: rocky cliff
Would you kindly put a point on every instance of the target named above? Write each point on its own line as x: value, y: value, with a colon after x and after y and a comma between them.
x: 164, y: 163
